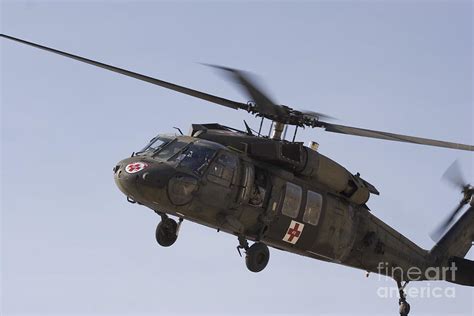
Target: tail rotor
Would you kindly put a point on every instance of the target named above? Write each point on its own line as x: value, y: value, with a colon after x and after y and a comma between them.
x: 453, y: 175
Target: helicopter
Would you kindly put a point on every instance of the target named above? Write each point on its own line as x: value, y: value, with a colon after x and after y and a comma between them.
x: 282, y: 194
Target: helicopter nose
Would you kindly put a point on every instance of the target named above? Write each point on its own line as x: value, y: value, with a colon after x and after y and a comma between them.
x: 143, y: 180
x: 127, y: 174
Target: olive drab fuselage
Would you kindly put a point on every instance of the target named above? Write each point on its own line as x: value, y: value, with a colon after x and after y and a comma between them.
x: 296, y: 208
x: 280, y: 193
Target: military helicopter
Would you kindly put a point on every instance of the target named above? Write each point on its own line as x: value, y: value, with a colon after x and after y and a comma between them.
x: 280, y: 193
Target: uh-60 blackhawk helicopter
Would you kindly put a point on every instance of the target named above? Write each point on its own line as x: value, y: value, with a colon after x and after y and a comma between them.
x: 280, y: 193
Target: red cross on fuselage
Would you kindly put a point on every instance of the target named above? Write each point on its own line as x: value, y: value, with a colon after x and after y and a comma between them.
x: 294, y: 232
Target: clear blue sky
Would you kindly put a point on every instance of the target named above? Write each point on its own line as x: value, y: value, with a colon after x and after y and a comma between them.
x: 72, y: 245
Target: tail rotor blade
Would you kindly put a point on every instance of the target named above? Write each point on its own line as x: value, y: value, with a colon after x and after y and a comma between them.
x: 453, y: 176
x: 438, y: 233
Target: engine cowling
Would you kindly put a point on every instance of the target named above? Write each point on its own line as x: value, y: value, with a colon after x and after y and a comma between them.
x: 334, y: 176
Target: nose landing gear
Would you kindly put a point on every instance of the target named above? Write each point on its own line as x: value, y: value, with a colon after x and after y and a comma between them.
x: 404, y: 306
x: 167, y: 231
x: 256, y: 256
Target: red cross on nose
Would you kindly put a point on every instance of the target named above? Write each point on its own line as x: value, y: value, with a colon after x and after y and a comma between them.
x: 134, y: 167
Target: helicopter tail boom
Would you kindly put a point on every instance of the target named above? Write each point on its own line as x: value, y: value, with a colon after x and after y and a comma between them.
x: 454, y: 245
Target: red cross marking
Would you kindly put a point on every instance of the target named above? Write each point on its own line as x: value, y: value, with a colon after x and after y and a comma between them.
x: 134, y: 167
x: 294, y: 232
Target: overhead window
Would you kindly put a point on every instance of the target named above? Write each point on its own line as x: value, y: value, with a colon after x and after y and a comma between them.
x: 312, y: 211
x: 292, y: 202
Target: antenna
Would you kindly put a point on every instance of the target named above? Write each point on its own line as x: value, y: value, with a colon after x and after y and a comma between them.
x: 179, y: 130
x: 249, y: 130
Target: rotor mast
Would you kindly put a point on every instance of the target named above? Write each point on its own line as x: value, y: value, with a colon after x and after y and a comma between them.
x: 277, y: 130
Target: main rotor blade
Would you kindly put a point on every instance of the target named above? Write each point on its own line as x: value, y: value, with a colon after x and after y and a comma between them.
x: 264, y: 105
x: 317, y: 115
x: 168, y: 85
x: 349, y: 130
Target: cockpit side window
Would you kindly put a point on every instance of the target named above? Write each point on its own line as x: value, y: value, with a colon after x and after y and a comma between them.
x: 223, y: 169
x: 195, y: 158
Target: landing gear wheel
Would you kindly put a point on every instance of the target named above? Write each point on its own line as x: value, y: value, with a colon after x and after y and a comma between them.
x: 404, y: 308
x: 257, y: 257
x: 166, y: 232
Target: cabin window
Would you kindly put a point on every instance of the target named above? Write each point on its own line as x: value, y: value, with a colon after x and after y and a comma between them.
x: 312, y: 211
x: 292, y: 202
x: 222, y: 170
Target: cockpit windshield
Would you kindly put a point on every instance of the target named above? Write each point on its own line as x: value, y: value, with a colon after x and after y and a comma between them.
x: 170, y: 149
x: 156, y: 143
x: 192, y: 156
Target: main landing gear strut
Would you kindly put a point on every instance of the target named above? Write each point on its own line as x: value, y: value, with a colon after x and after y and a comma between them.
x: 256, y: 256
x: 404, y: 306
x: 167, y: 230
